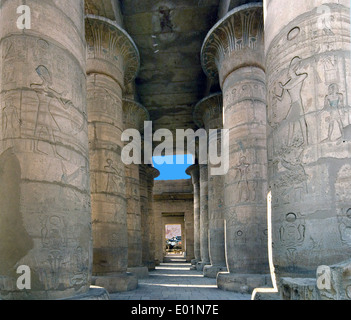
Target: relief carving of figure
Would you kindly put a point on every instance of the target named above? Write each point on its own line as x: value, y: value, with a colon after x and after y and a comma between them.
x: 296, y: 115
x: 45, y: 121
x: 334, y: 104
x: 113, y: 184
x: 10, y: 123
x: 48, y: 121
x: 243, y: 184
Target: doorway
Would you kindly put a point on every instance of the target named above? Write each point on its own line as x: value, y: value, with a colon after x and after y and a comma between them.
x: 173, y: 239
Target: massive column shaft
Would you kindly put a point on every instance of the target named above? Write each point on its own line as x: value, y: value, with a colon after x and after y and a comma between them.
x: 193, y: 171
x: 113, y: 60
x: 134, y: 115
x: 147, y: 175
x: 152, y: 173
x: 234, y: 50
x: 208, y: 113
x: 144, y: 211
x: 44, y: 178
x: 204, y: 250
x: 308, y: 79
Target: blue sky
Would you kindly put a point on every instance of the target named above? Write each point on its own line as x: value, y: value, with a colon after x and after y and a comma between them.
x: 171, y: 169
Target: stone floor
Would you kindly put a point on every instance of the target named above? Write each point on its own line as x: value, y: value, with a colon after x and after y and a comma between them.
x: 174, y: 280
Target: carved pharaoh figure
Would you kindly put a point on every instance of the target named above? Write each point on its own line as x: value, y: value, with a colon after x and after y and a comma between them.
x: 296, y: 114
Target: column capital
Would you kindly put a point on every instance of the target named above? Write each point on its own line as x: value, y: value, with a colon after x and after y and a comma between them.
x: 111, y: 50
x: 134, y: 114
x: 193, y: 171
x: 152, y: 172
x: 148, y: 171
x: 235, y: 41
x: 208, y: 112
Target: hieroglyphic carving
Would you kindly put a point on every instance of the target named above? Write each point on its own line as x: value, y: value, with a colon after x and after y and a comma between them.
x: 103, y: 101
x: 13, y: 54
x: 292, y: 235
x: 80, y: 270
x: 54, y: 239
x: 331, y: 70
x: 291, y: 178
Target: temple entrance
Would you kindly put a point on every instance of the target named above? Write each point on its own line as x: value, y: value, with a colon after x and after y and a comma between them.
x: 173, y: 239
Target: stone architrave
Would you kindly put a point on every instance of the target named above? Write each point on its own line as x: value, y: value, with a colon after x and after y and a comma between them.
x: 45, y: 214
x: 208, y: 113
x: 113, y: 61
x: 309, y: 138
x: 234, y: 51
x: 193, y: 171
x: 134, y: 115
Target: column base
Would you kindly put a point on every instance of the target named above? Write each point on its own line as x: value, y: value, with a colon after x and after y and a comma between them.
x: 200, y: 265
x: 139, y: 272
x: 116, y: 283
x: 150, y: 265
x: 94, y: 293
x: 242, y: 283
x: 265, y: 296
x: 212, y: 271
x: 193, y: 264
x: 299, y: 289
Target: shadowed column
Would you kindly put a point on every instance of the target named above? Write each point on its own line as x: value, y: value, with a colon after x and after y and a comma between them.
x: 234, y: 51
x: 134, y: 115
x: 193, y: 171
x: 113, y: 61
x: 147, y: 175
x: 45, y: 212
x: 204, y: 252
x: 208, y: 113
x: 152, y: 173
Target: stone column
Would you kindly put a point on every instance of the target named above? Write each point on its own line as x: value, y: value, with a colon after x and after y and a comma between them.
x: 134, y: 115
x: 45, y: 212
x: 144, y: 211
x: 113, y: 60
x: 204, y: 251
x: 147, y: 175
x: 208, y: 113
x: 309, y: 138
x: 152, y: 173
x: 233, y: 49
x: 193, y: 171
